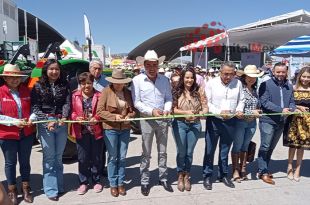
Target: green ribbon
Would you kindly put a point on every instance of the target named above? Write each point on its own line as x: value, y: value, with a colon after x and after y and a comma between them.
x: 160, y: 118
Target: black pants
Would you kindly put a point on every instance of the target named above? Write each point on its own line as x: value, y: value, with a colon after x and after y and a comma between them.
x: 90, y: 158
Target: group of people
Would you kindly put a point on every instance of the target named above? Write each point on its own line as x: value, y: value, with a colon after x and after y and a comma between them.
x: 103, y: 106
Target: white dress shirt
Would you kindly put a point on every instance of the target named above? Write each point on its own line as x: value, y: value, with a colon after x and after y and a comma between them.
x: 148, y: 95
x: 224, y: 97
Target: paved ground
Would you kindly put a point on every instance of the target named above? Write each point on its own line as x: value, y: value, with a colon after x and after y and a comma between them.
x: 251, y: 192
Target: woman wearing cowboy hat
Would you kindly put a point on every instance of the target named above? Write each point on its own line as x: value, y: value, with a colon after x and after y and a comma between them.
x: 247, y: 126
x: 115, y: 107
x: 16, y: 137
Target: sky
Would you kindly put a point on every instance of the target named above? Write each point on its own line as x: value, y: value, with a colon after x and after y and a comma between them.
x: 124, y: 24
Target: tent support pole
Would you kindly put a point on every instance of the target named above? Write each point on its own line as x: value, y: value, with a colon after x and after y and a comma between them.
x: 206, y: 57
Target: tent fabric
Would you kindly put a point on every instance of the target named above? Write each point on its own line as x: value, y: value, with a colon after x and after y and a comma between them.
x: 269, y: 33
x: 298, y: 47
x: 208, y: 42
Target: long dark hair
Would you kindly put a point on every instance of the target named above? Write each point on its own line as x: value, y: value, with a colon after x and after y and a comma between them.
x: 180, y: 88
x: 44, y: 78
x: 242, y: 79
x: 305, y: 69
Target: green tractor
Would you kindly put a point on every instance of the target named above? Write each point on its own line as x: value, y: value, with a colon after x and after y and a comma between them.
x: 72, y: 67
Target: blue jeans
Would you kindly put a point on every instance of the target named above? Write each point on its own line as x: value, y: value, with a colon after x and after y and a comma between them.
x: 53, y: 145
x: 116, y: 142
x: 13, y: 148
x: 270, y: 135
x: 218, y: 130
x: 243, y: 135
x: 89, y: 152
x: 185, y: 136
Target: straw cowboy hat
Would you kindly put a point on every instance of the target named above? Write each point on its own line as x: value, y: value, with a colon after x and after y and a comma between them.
x: 118, y: 77
x: 150, y: 55
x: 161, y: 70
x: 12, y: 70
x: 251, y: 71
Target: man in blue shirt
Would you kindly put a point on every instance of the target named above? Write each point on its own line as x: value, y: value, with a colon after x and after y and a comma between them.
x: 276, y: 96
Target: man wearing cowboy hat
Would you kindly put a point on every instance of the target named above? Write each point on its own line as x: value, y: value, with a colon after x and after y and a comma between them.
x: 151, y: 93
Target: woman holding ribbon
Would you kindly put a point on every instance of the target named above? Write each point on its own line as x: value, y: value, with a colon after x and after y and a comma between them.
x: 89, y: 135
x: 16, y: 136
x: 51, y: 101
x: 188, y: 99
x: 246, y: 127
x: 297, y: 131
x: 115, y: 107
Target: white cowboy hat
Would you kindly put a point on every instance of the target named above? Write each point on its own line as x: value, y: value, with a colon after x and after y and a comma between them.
x: 211, y: 70
x: 203, y: 70
x: 161, y: 70
x: 167, y: 69
x: 12, y: 70
x: 118, y: 77
x: 252, y: 71
x: 150, y: 55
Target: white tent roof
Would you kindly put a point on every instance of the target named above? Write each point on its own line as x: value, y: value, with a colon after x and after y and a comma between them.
x: 74, y: 51
x: 271, y: 32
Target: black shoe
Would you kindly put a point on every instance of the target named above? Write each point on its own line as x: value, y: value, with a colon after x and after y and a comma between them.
x: 145, y: 189
x: 55, y: 198
x: 207, y: 183
x: 166, y: 186
x: 227, y: 182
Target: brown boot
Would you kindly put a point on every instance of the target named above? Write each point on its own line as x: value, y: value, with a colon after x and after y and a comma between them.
x: 26, y: 192
x: 12, y: 193
x: 181, y: 181
x: 235, y: 166
x: 187, y: 182
x: 122, y: 190
x: 243, y: 157
x: 114, y: 191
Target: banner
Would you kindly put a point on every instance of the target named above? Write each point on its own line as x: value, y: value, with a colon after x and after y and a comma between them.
x: 33, y: 48
x: 98, y: 52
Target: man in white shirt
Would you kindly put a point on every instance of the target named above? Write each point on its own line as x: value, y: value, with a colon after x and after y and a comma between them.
x: 151, y: 94
x: 225, y: 98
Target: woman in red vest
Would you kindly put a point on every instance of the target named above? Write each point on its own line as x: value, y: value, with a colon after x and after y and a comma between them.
x: 16, y: 135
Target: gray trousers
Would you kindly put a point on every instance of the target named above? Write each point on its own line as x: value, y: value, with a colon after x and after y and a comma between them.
x: 160, y: 129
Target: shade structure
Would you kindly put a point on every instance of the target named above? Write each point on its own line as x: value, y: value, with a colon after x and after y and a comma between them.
x: 298, y: 47
x: 265, y: 35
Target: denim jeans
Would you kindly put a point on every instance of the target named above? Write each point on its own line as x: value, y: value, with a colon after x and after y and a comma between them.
x: 185, y: 136
x: 270, y: 135
x: 53, y: 145
x: 243, y: 135
x: 89, y: 152
x: 218, y: 130
x: 13, y: 149
x: 116, y: 142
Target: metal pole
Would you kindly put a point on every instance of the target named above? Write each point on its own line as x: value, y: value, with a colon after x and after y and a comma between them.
x: 181, y: 58
x: 192, y: 57
x: 206, y: 60
x: 37, y: 30
x: 228, y: 49
x: 89, y: 50
x: 26, y: 27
